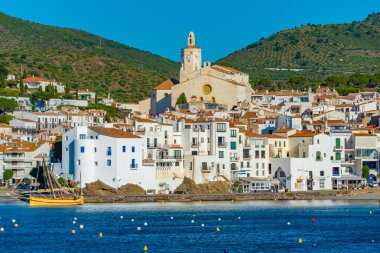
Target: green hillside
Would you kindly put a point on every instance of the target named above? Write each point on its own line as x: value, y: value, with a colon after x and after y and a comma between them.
x: 319, y: 50
x: 77, y: 57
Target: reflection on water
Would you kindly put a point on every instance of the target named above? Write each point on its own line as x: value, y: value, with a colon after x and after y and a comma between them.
x: 253, y: 226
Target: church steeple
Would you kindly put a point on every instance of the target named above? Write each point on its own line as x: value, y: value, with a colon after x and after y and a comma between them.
x: 191, y: 58
x: 191, y: 40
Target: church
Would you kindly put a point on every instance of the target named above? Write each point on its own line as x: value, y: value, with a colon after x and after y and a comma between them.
x: 205, y: 86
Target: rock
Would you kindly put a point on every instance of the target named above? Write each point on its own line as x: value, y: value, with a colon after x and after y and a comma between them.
x: 99, y: 188
x: 131, y: 189
x: 189, y: 186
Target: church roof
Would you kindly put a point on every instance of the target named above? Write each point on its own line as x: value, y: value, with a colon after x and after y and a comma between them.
x: 167, y: 85
x: 227, y: 70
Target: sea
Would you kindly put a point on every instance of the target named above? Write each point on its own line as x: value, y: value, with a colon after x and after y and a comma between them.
x: 225, y: 227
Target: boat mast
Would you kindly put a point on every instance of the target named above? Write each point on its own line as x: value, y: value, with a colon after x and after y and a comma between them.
x: 48, y: 176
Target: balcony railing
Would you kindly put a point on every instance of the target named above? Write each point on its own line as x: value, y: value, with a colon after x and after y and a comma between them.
x: 194, y: 145
x: 133, y: 166
x: 169, y: 157
x: 234, y: 158
x: 206, y: 170
x: 246, y: 157
x: 222, y: 144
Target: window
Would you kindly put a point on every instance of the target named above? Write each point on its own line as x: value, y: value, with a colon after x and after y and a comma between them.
x: 233, y: 133
x: 67, y: 149
x: 322, y: 183
x: 124, y: 149
x: 148, y: 142
x: 257, y: 154
x: 233, y: 145
x: 284, y: 143
x: 176, y: 164
x: 221, y: 154
x: 187, y: 126
x: 95, y: 150
x: 108, y: 162
x: 82, y: 149
x: 78, y: 162
x: 337, y: 156
x: 275, y: 143
x: 337, y: 142
x: 133, y: 149
x: 177, y: 154
x: 322, y: 173
x: 109, y: 152
x: 220, y: 127
x: 133, y: 164
x: 96, y: 163
x: 262, y: 153
x: 318, y: 156
x: 257, y: 166
x: 82, y: 136
x: 279, y: 144
x: 317, y: 141
x: 66, y: 138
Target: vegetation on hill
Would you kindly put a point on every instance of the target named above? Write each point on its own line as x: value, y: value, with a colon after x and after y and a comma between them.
x: 79, y: 58
x: 320, y: 53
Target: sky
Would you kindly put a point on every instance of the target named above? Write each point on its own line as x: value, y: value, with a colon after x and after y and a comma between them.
x: 161, y: 27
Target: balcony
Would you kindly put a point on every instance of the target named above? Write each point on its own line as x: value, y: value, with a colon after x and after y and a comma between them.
x: 194, y: 145
x: 222, y: 144
x: 247, y: 146
x: 199, y: 130
x: 164, y: 157
x: 154, y: 146
x: 246, y: 157
x: 338, y: 147
x: 234, y: 158
x: 134, y: 166
x: 207, y: 169
x: 16, y: 158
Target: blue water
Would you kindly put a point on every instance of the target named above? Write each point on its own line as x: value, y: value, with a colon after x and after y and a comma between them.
x: 341, y: 226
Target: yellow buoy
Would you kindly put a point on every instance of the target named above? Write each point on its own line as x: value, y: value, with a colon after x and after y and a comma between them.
x: 217, y: 229
x: 145, y: 248
x: 100, y: 234
x: 300, y: 240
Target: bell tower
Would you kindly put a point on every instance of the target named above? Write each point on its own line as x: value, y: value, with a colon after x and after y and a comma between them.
x: 191, y: 58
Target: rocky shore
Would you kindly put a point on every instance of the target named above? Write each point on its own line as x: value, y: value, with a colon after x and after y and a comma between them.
x: 365, y: 194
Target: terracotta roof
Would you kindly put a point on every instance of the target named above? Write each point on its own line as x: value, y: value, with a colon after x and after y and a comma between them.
x: 224, y: 69
x: 113, y: 132
x: 25, y: 120
x: 249, y: 115
x: 322, y: 90
x: 284, y: 130
x: 3, y: 125
x: 36, y: 79
x: 273, y: 136
x: 304, y: 133
x: 363, y: 134
x: 166, y: 85
x: 344, y: 105
x: 143, y: 120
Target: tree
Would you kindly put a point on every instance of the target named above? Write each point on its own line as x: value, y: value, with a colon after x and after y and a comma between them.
x: 181, y: 99
x: 7, y: 174
x: 7, y: 105
x: 22, y: 87
x: 365, y: 171
x: 96, y: 98
x: 265, y: 81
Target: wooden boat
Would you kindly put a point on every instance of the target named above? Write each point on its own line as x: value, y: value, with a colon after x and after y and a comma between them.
x: 57, y: 196
x: 41, y: 201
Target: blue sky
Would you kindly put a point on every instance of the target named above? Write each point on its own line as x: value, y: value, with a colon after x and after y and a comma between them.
x: 161, y: 27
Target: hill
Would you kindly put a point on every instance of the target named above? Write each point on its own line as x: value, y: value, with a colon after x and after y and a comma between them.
x: 78, y: 57
x: 316, y: 51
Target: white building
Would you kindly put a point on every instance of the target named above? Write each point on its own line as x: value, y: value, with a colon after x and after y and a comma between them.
x: 107, y: 154
x: 35, y: 83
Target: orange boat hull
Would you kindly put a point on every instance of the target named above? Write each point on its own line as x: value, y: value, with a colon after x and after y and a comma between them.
x: 37, y: 201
